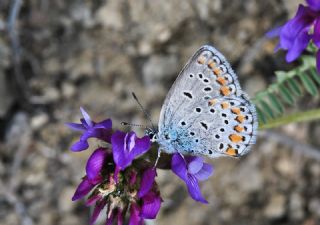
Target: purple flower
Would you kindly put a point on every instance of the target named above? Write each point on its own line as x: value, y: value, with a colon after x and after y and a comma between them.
x: 145, y: 205
x: 101, y: 130
x: 147, y: 181
x: 151, y: 200
x: 127, y: 146
x: 295, y: 35
x: 93, y: 176
x: 135, y: 218
x: 191, y: 169
x: 151, y: 204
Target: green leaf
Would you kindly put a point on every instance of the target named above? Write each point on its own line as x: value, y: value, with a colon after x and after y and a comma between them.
x: 315, y: 75
x: 267, y: 110
x: 261, y: 117
x: 276, y: 104
x: 294, y: 87
x: 286, y: 94
x: 308, y: 84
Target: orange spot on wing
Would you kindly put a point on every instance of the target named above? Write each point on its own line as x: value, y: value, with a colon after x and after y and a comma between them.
x: 240, y: 118
x: 225, y: 90
x: 217, y: 71
x: 201, y: 59
x: 221, y: 80
x: 238, y: 128
x: 225, y: 105
x: 211, y: 64
x: 212, y: 102
x: 235, y: 111
x: 236, y: 138
x: 231, y: 151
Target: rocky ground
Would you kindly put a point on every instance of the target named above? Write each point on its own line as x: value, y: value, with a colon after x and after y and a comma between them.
x: 56, y: 56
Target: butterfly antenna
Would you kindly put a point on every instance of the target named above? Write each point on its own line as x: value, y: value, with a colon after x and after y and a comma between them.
x: 133, y: 125
x: 143, y: 110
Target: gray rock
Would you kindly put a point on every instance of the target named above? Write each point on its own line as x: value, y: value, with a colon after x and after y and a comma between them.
x: 275, y: 207
x: 158, y: 68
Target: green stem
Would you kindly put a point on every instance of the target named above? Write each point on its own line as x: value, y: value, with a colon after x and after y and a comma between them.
x: 313, y: 114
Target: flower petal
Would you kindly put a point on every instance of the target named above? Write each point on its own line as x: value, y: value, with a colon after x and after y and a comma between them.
x: 75, y: 126
x: 134, y: 215
x: 96, y: 211
x: 120, y: 157
x: 205, y: 172
x: 89, y: 134
x: 151, y: 206
x: 179, y: 166
x: 86, y: 117
x: 141, y: 146
x: 79, y: 146
x: 110, y: 218
x: 93, y: 199
x: 129, y: 141
x: 195, y: 164
x: 133, y: 177
x: 147, y: 181
x: 194, y: 189
x: 274, y: 32
x: 316, y: 33
x: 126, y: 146
x: 84, y: 188
x: 116, y: 174
x: 293, y: 27
x: 105, y: 124
x: 95, y: 163
x: 120, y: 217
x: 300, y: 43
x: 314, y: 4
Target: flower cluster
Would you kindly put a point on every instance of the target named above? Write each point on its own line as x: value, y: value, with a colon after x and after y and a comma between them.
x: 121, y: 177
x: 295, y: 35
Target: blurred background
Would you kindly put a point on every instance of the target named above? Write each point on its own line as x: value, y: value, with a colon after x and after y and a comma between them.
x: 56, y: 56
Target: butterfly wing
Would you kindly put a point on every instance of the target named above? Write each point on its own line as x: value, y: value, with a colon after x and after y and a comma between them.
x: 205, y: 111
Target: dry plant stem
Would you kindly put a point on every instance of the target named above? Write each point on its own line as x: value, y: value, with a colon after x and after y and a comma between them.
x: 19, y: 79
x: 300, y: 148
x: 306, y: 116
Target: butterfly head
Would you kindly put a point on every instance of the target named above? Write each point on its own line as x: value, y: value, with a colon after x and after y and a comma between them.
x: 152, y: 133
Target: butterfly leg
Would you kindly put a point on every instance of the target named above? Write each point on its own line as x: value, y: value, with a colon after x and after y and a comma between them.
x: 158, y: 157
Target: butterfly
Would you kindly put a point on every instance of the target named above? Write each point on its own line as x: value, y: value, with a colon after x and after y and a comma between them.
x: 206, y: 112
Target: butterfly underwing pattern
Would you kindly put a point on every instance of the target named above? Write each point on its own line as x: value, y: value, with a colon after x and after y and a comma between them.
x: 205, y: 111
